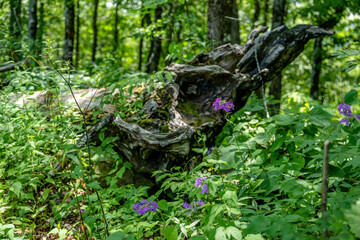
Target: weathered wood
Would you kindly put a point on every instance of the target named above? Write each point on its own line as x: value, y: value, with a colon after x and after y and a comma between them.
x: 184, y: 106
x: 176, y: 112
x: 11, y: 66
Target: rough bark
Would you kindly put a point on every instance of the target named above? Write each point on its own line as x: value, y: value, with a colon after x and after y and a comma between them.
x: 184, y: 106
x: 277, y: 21
x: 219, y: 24
x: 95, y: 31
x: 32, y: 25
x: 235, y: 24
x: 77, y: 46
x: 69, y: 31
x: 155, y: 47
x: 15, y: 29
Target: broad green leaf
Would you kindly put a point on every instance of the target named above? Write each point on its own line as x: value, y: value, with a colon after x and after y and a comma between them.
x: 278, y: 143
x: 351, y: 96
x: 170, y: 233
x: 234, y: 232
x: 163, y: 205
x: 353, y: 218
x: 117, y: 236
x: 254, y: 237
x: 230, y: 198
x: 94, y: 185
x: 221, y: 234
x: 16, y: 188
x: 284, y: 119
x: 320, y: 117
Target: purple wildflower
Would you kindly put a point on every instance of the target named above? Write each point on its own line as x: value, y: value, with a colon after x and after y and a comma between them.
x: 198, y: 182
x: 194, y: 206
x: 145, y: 206
x: 223, y: 104
x: 345, y: 109
x: 356, y: 116
x: 346, y: 121
x: 210, y: 150
x: 186, y: 205
x: 82, y: 211
x: 204, y: 189
x: 200, y: 203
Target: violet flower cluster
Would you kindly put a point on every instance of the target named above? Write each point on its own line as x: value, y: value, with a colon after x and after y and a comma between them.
x: 145, y: 206
x: 210, y: 150
x: 194, y: 206
x: 223, y: 104
x: 345, y: 109
x: 199, y: 183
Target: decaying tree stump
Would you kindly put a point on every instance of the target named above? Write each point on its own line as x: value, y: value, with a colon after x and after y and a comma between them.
x: 183, y: 107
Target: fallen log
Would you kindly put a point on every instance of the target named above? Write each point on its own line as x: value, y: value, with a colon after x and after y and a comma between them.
x: 183, y: 107
x: 11, y: 66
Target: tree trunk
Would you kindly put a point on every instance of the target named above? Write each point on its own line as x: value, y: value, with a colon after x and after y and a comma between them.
x: 235, y: 24
x: 144, y: 20
x: 170, y: 29
x: 32, y: 25
x: 258, y: 92
x: 182, y: 108
x: 318, y: 52
x: 15, y: 29
x: 219, y: 24
x: 275, y: 85
x: 256, y: 14
x: 266, y: 12
x: 77, y: 46
x: 95, y: 30
x: 155, y: 47
x: 316, y: 66
x: 69, y: 31
x: 40, y: 31
x: 116, y: 30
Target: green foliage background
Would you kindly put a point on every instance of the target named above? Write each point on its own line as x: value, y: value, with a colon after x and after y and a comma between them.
x: 264, y: 174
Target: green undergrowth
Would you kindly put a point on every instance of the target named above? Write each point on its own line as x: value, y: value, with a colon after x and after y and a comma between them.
x: 263, y: 177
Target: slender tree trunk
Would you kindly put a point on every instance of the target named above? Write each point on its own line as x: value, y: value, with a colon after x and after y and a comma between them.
x: 235, y: 24
x: 178, y: 32
x: 116, y: 30
x: 275, y: 84
x: 93, y: 56
x: 155, y: 47
x: 316, y: 66
x: 170, y: 28
x: 219, y: 25
x: 315, y: 93
x: 144, y: 20
x: 256, y: 13
x: 40, y: 31
x: 69, y: 31
x: 266, y: 12
x: 77, y: 51
x: 32, y: 25
x: 15, y: 28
